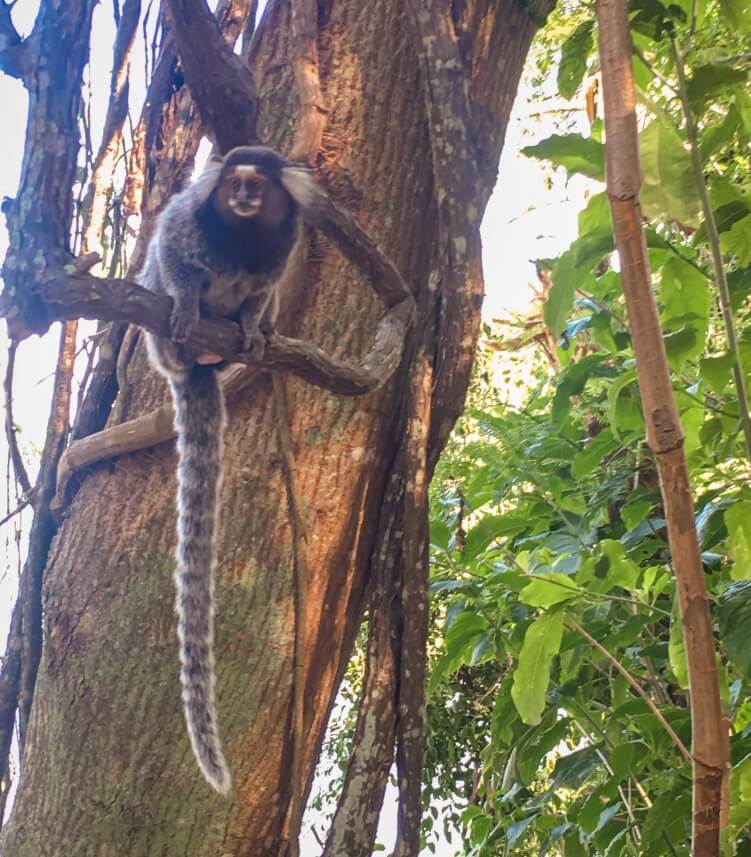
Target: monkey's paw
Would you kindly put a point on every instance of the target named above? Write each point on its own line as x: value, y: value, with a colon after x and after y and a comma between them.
x: 183, y: 323
x: 254, y: 343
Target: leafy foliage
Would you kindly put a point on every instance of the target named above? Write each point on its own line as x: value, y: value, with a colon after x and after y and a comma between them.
x: 548, y: 532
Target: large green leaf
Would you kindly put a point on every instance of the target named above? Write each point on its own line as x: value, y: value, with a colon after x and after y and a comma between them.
x: 576, y: 154
x: 677, y: 647
x: 734, y: 614
x: 532, y: 676
x: 708, y: 81
x: 738, y: 14
x: 574, y: 53
x: 669, y: 189
x: 548, y: 589
x: 738, y: 522
x: 736, y: 241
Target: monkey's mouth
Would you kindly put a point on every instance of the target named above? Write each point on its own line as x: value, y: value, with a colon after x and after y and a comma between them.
x: 246, y: 208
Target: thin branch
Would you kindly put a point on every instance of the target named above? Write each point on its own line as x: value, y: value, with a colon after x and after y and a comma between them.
x: 17, y: 511
x: 713, y: 237
x: 575, y: 626
x: 19, y: 468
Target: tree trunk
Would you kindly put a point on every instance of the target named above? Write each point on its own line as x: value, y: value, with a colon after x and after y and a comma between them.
x: 108, y: 768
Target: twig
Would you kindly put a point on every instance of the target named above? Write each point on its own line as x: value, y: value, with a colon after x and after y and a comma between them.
x: 17, y: 511
x: 575, y: 626
x: 19, y: 468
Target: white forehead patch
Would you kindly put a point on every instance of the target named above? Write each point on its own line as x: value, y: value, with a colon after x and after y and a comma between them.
x: 245, y: 170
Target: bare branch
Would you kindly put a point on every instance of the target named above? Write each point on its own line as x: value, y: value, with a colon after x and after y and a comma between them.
x: 19, y: 468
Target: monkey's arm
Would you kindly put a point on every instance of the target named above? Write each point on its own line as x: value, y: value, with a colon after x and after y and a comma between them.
x: 183, y: 279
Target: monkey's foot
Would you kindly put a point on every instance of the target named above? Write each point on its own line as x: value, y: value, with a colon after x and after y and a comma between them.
x: 183, y: 322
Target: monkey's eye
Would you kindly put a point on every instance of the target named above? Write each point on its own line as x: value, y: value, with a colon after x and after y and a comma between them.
x: 235, y: 184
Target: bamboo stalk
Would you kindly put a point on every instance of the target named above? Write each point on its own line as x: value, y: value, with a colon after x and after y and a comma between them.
x: 710, y: 749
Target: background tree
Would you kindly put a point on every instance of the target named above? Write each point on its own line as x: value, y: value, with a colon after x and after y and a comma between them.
x: 402, y: 109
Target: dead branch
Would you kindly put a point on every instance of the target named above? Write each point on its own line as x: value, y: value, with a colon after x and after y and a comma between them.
x: 709, y: 738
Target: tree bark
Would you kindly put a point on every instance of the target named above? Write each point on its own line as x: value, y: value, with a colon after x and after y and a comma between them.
x: 108, y: 768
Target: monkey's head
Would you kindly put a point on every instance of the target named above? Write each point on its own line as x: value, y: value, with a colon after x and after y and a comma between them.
x: 249, y: 187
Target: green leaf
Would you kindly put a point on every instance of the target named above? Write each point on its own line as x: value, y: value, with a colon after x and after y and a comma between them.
x: 467, y: 630
x: 734, y: 614
x: 585, y: 461
x: 684, y: 295
x: 716, y: 371
x: 668, y: 189
x: 716, y: 137
x: 618, y: 417
x: 634, y: 512
x: 541, y: 644
x: 490, y: 528
x: 572, y: 382
x: 575, y: 270
x: 738, y: 14
x: 708, y: 81
x: 736, y: 241
x: 621, y: 760
x: 548, y: 589
x: 576, y: 154
x: 573, y: 770
x: 573, y: 64
x: 738, y: 522
x: 538, y: 744
x: 677, y: 647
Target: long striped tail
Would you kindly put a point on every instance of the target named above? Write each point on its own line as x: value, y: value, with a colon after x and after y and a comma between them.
x: 199, y: 420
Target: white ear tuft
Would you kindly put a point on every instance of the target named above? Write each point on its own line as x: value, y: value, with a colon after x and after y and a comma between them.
x: 301, y: 186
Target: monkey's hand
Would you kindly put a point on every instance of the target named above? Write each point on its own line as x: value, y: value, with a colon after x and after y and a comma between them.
x: 184, y: 320
x: 254, y: 342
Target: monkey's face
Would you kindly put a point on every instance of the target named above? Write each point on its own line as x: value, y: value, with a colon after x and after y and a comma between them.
x: 247, y: 193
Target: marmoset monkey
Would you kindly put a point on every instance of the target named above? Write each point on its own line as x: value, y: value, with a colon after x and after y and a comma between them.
x: 219, y: 249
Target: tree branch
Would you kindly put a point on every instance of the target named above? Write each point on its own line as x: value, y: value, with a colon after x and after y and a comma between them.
x: 12, y: 46
x: 220, y: 81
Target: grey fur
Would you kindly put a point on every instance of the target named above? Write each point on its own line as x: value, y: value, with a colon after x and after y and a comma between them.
x: 183, y: 263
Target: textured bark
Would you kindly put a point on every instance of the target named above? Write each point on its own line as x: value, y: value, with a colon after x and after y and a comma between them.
x: 709, y: 737
x: 109, y: 770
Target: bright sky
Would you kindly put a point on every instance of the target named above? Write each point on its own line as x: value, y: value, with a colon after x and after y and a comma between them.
x: 529, y: 216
